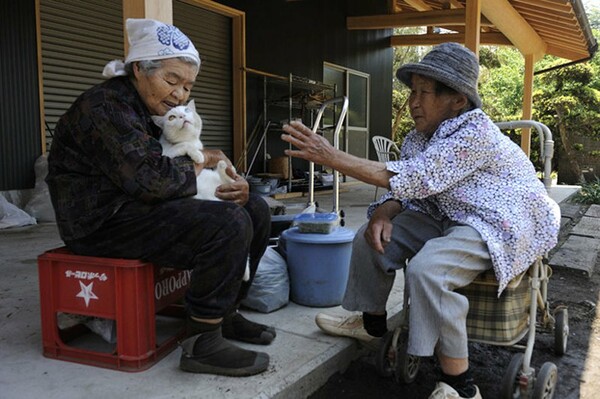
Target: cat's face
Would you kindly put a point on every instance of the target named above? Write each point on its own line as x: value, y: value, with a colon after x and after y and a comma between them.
x: 181, y: 123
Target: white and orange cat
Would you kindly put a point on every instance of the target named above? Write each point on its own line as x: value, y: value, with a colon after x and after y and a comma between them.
x: 181, y: 129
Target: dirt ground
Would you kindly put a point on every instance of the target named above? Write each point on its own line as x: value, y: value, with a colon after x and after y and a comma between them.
x: 489, y: 363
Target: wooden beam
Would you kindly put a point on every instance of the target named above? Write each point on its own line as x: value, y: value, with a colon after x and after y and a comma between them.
x: 239, y: 87
x: 558, y: 27
x: 418, y: 5
x: 160, y: 10
x: 549, y: 8
x: 473, y: 25
x: 491, y: 39
x: 410, y: 19
x: 532, y: 14
x: 553, y: 36
x: 155, y: 9
x: 568, y: 54
x: 461, y: 29
x: 514, y: 27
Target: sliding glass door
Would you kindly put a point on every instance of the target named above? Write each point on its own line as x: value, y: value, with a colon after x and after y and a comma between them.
x: 356, y: 86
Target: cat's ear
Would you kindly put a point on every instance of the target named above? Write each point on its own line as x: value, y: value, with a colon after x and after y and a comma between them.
x: 191, y: 105
x: 158, y: 120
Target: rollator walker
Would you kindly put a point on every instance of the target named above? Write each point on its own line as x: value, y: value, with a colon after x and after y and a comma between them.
x: 519, y: 312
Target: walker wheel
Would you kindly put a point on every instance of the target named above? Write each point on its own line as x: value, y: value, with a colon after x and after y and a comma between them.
x: 407, y: 366
x: 510, y: 388
x: 561, y: 330
x: 385, y: 358
x: 545, y: 383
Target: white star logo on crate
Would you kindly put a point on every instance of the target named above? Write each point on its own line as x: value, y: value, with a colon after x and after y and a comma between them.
x: 86, y: 293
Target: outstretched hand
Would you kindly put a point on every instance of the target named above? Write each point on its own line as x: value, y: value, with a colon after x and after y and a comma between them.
x: 310, y: 146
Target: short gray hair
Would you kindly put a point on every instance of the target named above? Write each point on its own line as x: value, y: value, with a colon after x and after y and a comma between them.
x: 148, y: 67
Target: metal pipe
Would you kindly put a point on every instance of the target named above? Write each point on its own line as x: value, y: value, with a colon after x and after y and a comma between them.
x: 336, y: 144
x: 535, y: 287
x: 258, y: 146
x: 546, y: 143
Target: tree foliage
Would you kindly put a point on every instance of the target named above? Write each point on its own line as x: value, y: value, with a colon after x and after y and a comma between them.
x: 567, y: 101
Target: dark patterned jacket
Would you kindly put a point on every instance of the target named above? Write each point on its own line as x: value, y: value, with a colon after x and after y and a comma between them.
x: 105, y: 153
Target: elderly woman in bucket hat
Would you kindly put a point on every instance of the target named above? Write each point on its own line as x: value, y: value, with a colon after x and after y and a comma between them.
x: 115, y: 195
x: 463, y: 199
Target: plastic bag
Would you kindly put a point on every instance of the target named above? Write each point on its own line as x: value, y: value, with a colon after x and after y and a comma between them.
x: 106, y: 328
x: 13, y: 216
x: 270, y: 289
x: 40, y: 205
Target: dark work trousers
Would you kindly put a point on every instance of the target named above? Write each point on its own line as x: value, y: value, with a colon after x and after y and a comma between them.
x: 212, y: 238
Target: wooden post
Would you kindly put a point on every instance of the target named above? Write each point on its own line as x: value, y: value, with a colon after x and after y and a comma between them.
x: 155, y: 9
x: 527, y: 102
x: 473, y: 25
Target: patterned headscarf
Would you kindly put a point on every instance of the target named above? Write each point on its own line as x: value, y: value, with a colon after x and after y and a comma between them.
x: 152, y: 40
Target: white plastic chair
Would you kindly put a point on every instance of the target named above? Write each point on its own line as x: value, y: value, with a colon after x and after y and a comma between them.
x: 386, y: 151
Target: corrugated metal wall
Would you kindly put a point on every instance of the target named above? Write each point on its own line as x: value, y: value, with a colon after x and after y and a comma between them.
x: 211, y: 34
x: 20, y: 140
x: 78, y: 39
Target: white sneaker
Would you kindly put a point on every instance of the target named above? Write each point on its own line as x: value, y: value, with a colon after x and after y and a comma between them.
x: 445, y: 391
x: 346, y: 326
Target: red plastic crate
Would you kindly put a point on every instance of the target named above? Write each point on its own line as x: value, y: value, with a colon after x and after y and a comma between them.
x: 131, y: 292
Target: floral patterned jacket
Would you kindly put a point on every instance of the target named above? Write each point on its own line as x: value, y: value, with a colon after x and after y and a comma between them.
x: 473, y: 174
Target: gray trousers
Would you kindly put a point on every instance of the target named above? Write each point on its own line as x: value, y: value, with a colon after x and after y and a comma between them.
x: 442, y: 256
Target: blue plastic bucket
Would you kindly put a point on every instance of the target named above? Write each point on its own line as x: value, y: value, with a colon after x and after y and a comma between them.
x: 318, y: 266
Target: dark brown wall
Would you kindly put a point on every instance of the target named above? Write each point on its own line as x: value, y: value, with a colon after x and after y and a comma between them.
x: 296, y: 37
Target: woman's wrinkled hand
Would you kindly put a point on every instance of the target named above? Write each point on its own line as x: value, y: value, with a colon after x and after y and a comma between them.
x: 212, y: 157
x: 237, y: 192
x: 310, y: 146
x: 379, y: 233
x: 379, y: 230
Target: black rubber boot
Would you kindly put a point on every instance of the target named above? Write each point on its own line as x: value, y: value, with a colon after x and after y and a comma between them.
x: 209, y: 353
x: 236, y: 326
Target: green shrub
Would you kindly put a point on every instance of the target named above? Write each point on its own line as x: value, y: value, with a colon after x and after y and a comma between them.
x: 589, y: 193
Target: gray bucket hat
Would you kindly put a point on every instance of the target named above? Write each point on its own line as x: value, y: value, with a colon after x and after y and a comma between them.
x: 449, y: 63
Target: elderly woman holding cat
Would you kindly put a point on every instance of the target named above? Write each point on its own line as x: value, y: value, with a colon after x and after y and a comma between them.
x: 116, y: 195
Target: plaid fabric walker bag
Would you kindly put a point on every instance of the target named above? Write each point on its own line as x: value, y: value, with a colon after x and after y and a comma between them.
x: 500, y: 320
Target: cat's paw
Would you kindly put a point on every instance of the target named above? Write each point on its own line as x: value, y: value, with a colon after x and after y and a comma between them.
x: 197, y: 156
x: 169, y: 152
x: 222, y: 171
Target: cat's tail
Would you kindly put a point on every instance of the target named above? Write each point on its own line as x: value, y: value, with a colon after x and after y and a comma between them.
x: 222, y: 171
